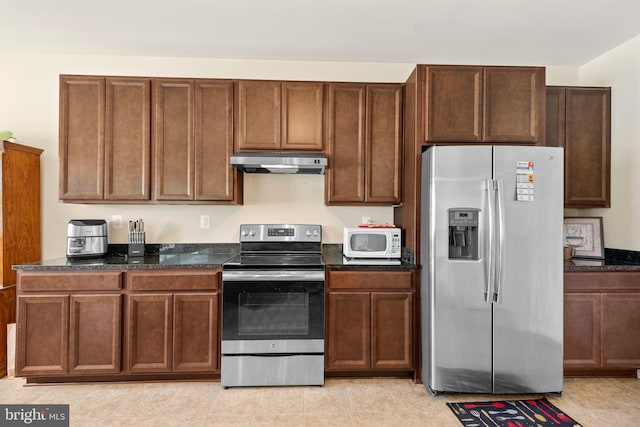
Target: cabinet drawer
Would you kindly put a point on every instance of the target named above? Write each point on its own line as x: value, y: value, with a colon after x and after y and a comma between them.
x: 32, y: 281
x: 358, y: 279
x: 172, y: 280
x: 596, y: 281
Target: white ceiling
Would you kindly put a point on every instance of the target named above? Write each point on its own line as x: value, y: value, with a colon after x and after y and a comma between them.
x: 510, y: 32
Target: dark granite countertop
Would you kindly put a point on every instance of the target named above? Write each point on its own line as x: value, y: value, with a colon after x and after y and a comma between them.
x: 614, y: 260
x: 332, y: 256
x: 157, y: 256
x: 165, y: 256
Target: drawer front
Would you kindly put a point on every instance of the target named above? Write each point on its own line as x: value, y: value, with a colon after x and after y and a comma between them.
x: 172, y: 280
x: 50, y: 281
x: 599, y: 281
x: 376, y: 280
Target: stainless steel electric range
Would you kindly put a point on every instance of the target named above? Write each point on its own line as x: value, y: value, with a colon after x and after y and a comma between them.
x: 273, y: 307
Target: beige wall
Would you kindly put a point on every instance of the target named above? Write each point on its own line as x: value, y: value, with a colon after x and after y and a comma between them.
x: 620, y: 69
x: 29, y: 108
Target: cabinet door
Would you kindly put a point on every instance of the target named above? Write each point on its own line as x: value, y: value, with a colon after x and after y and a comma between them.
x: 621, y: 330
x: 41, y: 337
x: 349, y: 331
x: 128, y: 139
x: 453, y: 104
x: 195, y: 332
x: 82, y: 138
x: 148, y: 333
x: 514, y: 103
x: 392, y: 346
x: 173, y: 139
x: 582, y: 313
x: 383, y: 144
x: 95, y: 334
x: 302, y: 111
x: 344, y: 179
x: 258, y: 104
x: 588, y: 147
x: 555, y: 112
x: 215, y: 178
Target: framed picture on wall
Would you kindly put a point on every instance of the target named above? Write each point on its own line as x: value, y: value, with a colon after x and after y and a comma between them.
x: 585, y: 235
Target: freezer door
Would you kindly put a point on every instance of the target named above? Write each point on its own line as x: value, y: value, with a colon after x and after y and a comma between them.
x: 529, y: 313
x: 456, y: 318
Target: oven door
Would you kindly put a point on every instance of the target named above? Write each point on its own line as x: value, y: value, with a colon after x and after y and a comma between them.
x: 272, y: 311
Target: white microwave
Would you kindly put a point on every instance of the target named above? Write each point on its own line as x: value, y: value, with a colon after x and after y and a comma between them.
x: 372, y: 243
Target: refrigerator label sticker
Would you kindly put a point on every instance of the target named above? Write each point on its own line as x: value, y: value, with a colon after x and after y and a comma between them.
x: 524, y: 181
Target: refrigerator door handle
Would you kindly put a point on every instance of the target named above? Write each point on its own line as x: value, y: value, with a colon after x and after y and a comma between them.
x: 489, y: 242
x: 500, y: 249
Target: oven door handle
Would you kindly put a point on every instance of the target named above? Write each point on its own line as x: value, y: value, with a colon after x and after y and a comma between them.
x: 272, y: 275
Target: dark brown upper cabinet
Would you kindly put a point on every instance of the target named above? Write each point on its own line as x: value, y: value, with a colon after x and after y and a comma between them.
x: 364, y: 144
x: 106, y: 151
x: 173, y: 139
x: 579, y: 119
x: 104, y: 138
x: 274, y: 115
x: 193, y: 140
x: 82, y: 106
x: 484, y: 104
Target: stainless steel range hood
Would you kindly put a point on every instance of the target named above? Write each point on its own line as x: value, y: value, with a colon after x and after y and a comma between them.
x: 280, y: 162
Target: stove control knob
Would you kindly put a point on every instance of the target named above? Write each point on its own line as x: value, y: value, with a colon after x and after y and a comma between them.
x: 245, y: 232
x: 308, y: 233
x: 252, y: 232
x: 316, y: 233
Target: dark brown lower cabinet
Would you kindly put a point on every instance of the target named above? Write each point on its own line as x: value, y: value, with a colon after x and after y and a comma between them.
x: 172, y: 332
x: 41, y: 335
x: 74, y: 334
x: 602, y: 323
x: 349, y: 330
x: 112, y: 325
x: 148, y: 336
x: 370, y: 321
x: 172, y: 321
x: 94, y: 334
x: 68, y: 323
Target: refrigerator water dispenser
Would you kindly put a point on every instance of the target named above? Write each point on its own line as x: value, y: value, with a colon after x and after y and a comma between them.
x: 463, y: 233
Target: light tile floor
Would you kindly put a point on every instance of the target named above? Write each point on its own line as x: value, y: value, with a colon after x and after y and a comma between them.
x: 340, y: 402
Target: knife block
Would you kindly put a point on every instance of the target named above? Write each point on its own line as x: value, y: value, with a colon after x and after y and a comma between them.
x: 136, y: 244
x: 136, y: 249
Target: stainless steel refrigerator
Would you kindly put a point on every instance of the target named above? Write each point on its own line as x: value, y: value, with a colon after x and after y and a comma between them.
x: 492, y: 265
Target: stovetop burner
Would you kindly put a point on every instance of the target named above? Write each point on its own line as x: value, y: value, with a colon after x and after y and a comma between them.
x: 278, y: 246
x: 275, y: 260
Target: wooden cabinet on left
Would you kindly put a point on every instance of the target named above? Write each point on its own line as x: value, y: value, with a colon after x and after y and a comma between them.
x: 20, y: 231
x: 68, y: 323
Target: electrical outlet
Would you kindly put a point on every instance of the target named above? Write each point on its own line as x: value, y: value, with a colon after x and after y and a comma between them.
x: 366, y: 220
x: 117, y: 221
x: 205, y: 221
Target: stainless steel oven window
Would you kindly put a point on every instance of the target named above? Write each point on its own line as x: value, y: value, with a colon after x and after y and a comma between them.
x: 270, y: 313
